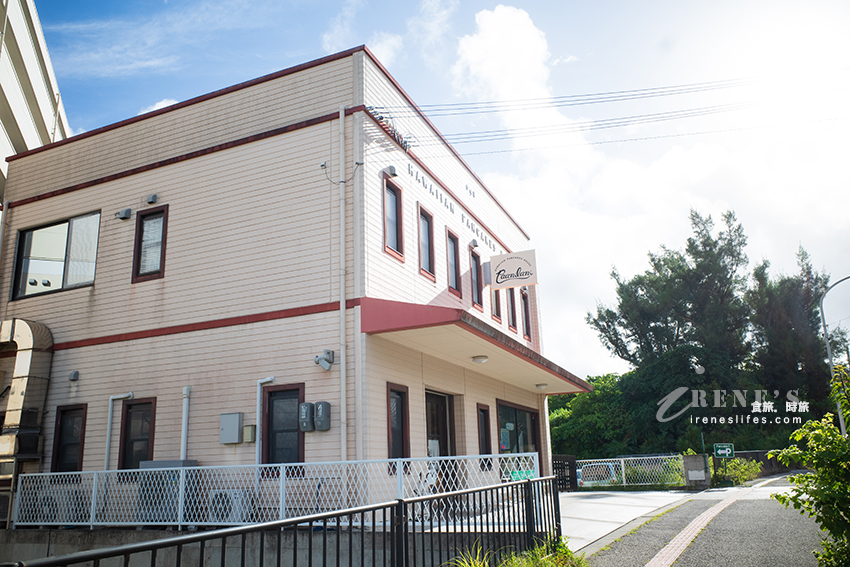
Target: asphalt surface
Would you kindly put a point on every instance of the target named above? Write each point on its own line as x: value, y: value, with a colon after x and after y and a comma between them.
x: 751, y: 531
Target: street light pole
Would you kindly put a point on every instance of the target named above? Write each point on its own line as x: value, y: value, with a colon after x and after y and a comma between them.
x: 829, y: 350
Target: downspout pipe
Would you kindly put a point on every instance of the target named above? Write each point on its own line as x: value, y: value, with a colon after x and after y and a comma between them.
x: 184, y: 432
x: 259, y: 433
x: 112, y: 399
x: 343, y: 384
x: 3, y: 228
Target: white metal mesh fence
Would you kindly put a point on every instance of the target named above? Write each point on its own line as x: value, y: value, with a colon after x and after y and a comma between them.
x: 243, y: 494
x: 667, y: 470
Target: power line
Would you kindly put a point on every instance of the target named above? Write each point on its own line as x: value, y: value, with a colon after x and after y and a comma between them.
x: 641, y: 139
x: 584, y: 126
x: 451, y: 109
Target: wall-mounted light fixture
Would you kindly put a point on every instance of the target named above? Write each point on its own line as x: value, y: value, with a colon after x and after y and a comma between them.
x: 480, y: 359
x: 325, y: 360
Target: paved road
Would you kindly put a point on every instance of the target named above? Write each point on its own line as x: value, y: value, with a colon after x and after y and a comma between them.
x: 736, y: 526
x: 588, y: 516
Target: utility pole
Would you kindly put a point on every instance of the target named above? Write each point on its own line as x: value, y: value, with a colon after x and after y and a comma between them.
x: 829, y: 351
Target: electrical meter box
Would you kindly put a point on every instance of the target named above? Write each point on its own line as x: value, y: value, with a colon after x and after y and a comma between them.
x: 305, y: 416
x: 230, y: 428
x: 323, y: 416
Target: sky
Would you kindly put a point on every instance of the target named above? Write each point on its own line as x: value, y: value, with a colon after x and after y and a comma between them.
x: 722, y: 105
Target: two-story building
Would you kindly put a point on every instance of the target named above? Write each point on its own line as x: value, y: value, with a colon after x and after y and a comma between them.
x: 213, y: 264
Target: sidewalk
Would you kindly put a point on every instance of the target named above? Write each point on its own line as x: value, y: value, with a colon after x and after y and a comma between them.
x: 733, y: 526
x: 588, y: 516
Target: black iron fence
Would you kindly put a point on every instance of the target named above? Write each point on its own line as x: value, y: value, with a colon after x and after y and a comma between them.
x: 564, y: 469
x: 416, y: 532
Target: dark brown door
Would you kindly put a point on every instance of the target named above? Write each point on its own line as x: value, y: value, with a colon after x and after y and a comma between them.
x: 437, y: 424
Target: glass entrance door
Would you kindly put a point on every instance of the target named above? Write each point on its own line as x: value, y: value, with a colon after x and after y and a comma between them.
x: 437, y: 424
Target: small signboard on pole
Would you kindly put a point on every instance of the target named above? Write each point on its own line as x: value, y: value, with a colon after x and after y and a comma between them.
x: 724, y: 450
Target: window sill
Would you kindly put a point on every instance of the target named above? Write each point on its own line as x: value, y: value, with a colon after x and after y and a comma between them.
x: 428, y: 275
x: 394, y: 253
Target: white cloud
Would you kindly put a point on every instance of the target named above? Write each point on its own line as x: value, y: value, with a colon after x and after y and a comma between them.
x: 386, y: 46
x: 339, y: 35
x: 157, y: 105
x: 124, y: 47
x: 588, y: 211
x: 430, y: 27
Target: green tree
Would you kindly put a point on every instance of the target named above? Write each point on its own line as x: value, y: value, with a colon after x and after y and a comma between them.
x: 824, y: 492
x: 788, y: 351
x: 692, y: 298
x: 592, y: 424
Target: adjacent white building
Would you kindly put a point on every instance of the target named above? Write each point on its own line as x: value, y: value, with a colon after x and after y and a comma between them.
x: 31, y: 112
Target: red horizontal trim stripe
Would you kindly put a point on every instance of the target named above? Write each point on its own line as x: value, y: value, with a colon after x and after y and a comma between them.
x: 196, y: 100
x: 206, y: 325
x: 190, y: 155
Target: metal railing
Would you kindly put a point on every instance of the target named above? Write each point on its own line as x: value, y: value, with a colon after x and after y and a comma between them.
x: 197, y: 496
x: 425, y: 531
x: 666, y: 470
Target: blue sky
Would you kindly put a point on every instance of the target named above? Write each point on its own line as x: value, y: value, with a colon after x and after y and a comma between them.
x: 772, y: 147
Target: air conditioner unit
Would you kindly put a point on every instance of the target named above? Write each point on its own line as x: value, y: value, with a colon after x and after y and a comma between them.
x: 231, y: 506
x: 62, y: 505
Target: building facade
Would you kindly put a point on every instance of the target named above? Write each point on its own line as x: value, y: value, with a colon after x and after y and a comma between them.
x: 31, y: 111
x: 171, y: 280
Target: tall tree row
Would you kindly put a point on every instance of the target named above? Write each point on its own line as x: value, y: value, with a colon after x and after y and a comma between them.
x: 699, y: 306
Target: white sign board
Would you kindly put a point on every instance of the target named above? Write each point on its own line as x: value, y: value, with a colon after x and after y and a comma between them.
x: 513, y: 270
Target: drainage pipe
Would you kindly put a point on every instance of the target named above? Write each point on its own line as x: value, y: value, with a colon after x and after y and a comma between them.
x: 343, y: 385
x: 184, y: 432
x: 127, y: 396
x: 258, y: 436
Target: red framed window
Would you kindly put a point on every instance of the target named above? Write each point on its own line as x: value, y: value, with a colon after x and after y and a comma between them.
x: 496, y: 304
x: 526, y: 313
x: 283, y: 441
x: 453, y: 258
x: 426, y: 244
x: 137, y: 432
x: 398, y: 423
x: 511, y: 308
x: 149, y: 253
x: 69, y: 438
x: 477, y: 280
x: 393, y: 225
x: 484, y: 444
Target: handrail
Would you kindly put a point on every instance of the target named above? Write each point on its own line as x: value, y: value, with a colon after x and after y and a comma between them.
x: 178, y: 541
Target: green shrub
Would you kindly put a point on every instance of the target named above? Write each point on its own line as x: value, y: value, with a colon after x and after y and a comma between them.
x: 823, y: 493
x: 742, y: 470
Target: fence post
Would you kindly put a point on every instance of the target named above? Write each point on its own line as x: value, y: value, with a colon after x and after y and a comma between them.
x: 282, y: 497
x: 623, y: 470
x: 399, y: 539
x: 181, y: 498
x: 399, y: 473
x: 529, y: 515
x: 93, y: 510
x: 556, y: 502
